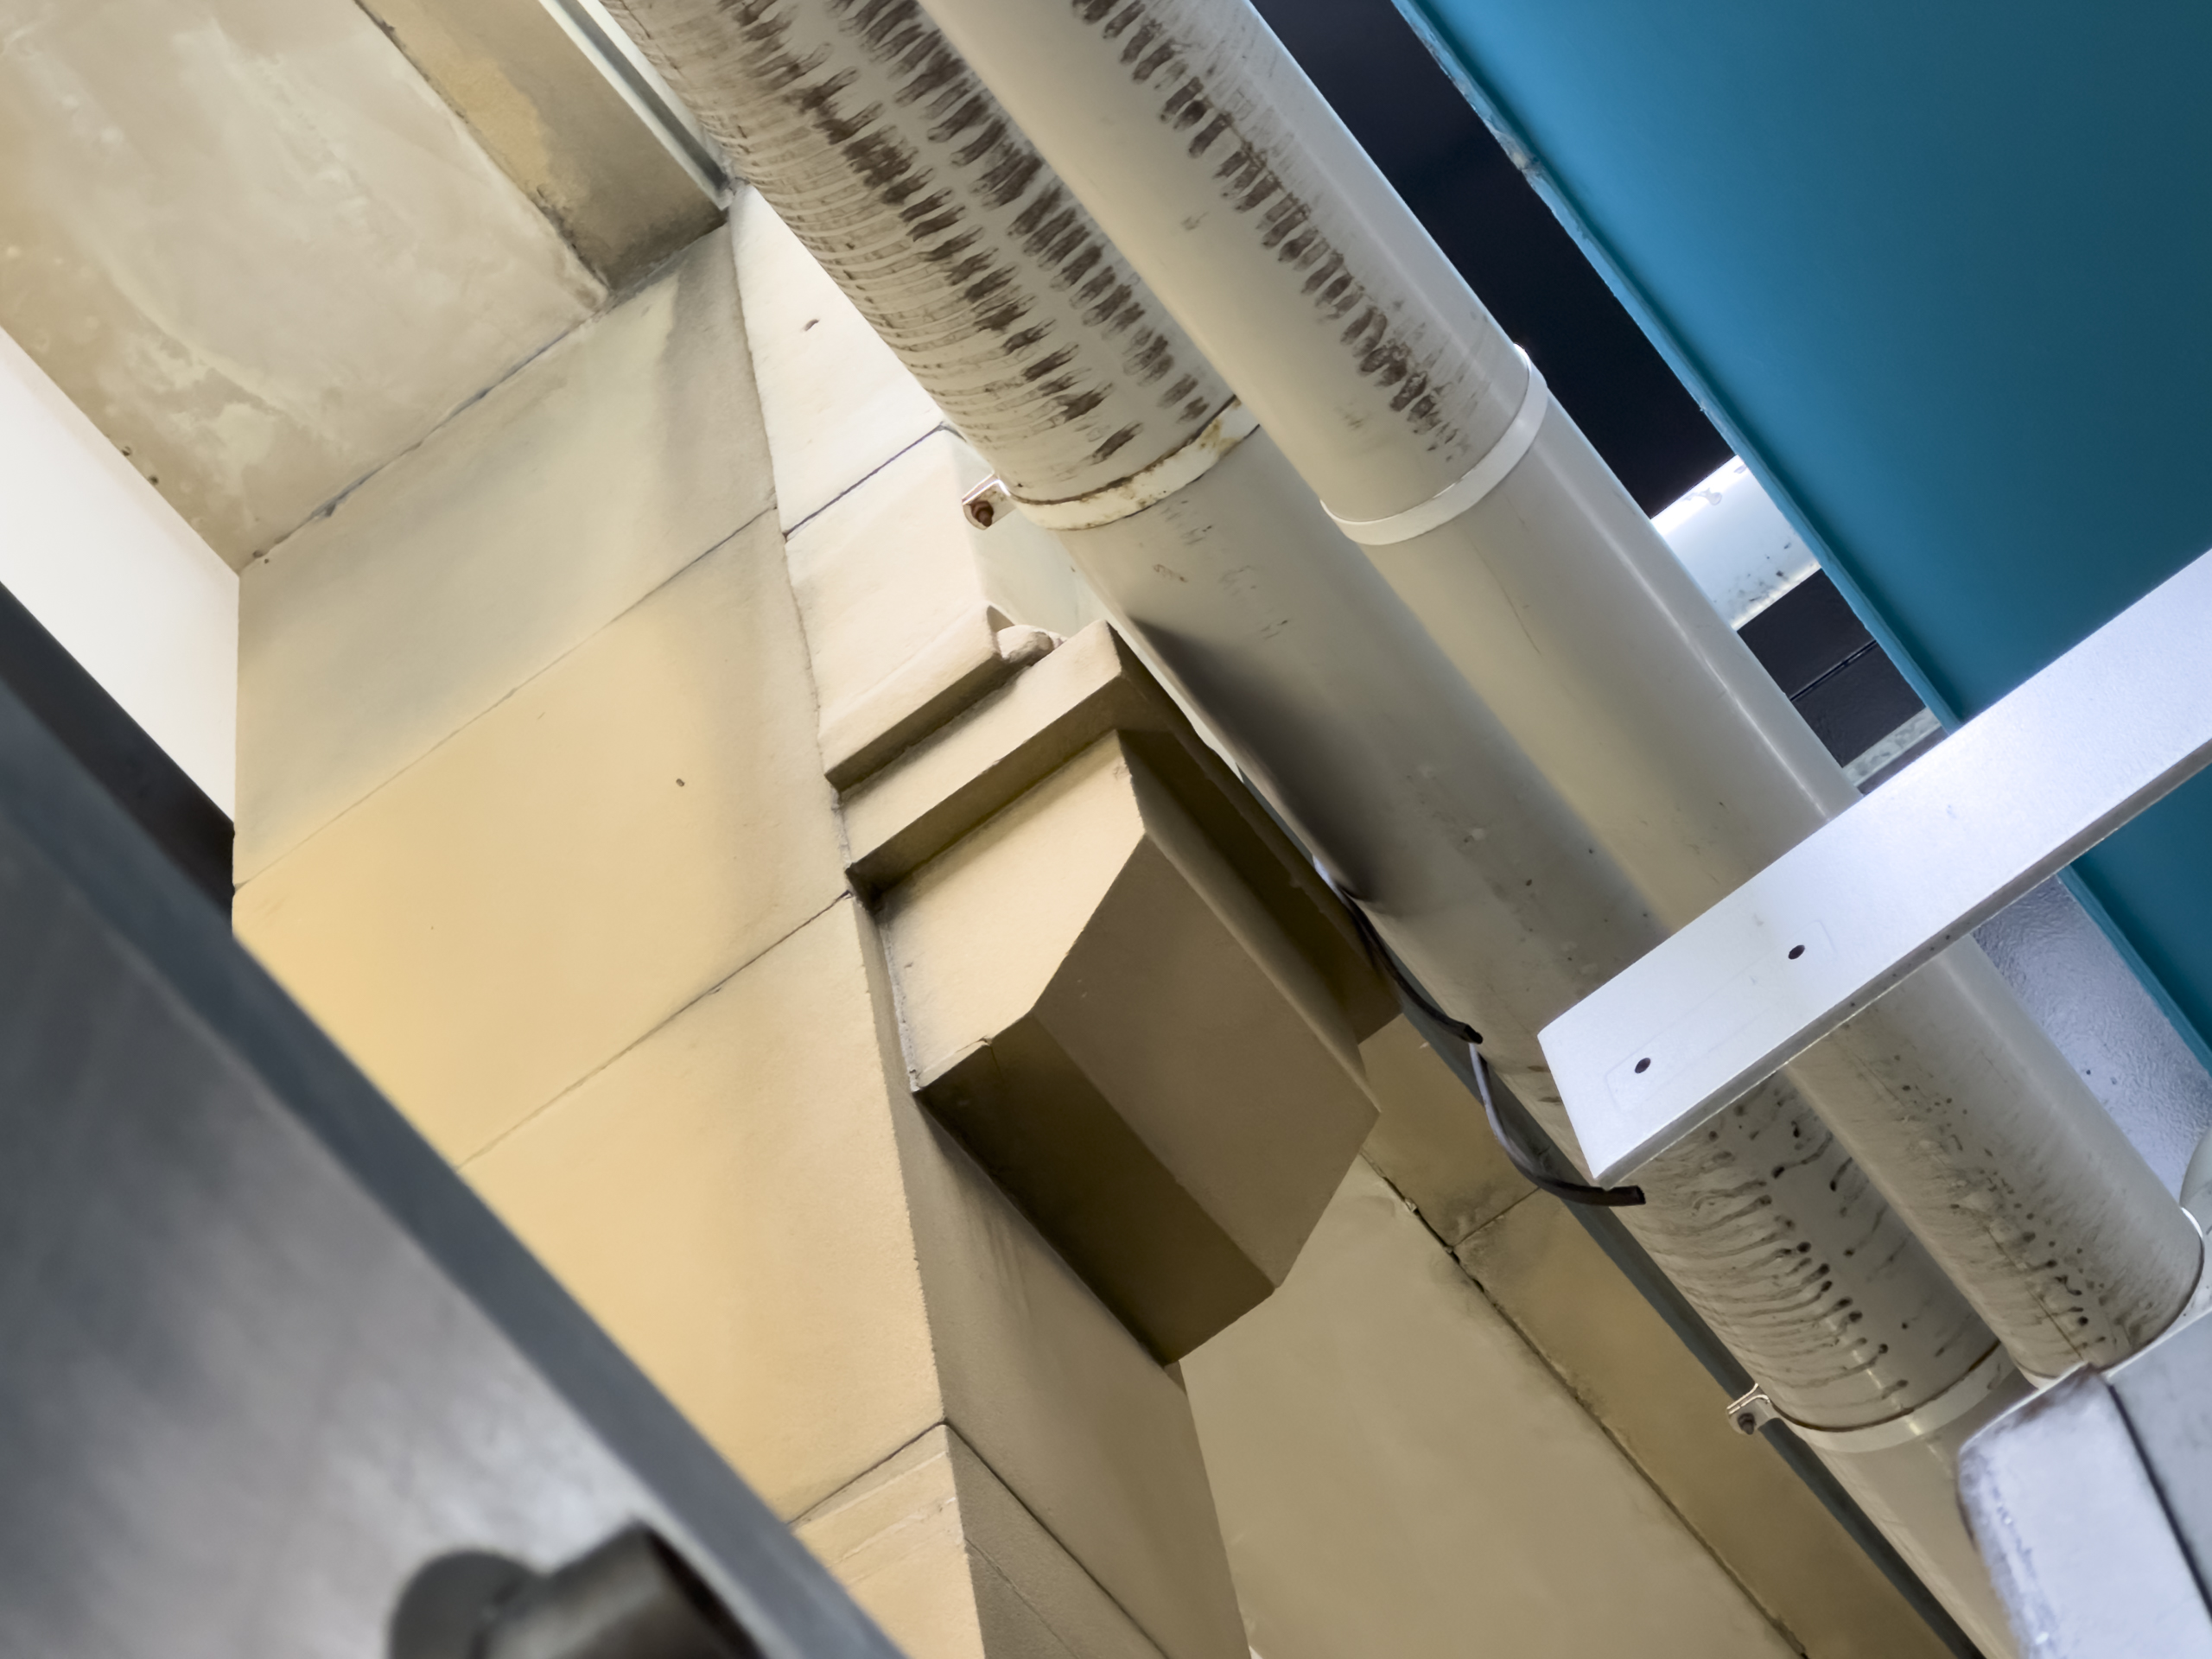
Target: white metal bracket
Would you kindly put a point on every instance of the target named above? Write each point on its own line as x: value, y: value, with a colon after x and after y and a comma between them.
x: 2009, y: 799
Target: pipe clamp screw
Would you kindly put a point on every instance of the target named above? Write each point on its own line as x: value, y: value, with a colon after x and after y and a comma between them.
x: 1753, y: 1412
x: 988, y: 503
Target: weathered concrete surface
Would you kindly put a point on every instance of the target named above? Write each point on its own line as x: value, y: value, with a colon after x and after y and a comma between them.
x: 252, y: 244
x: 554, y: 125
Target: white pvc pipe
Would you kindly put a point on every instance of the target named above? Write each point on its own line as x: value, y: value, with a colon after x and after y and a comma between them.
x: 1213, y: 163
x: 1328, y: 691
x: 1596, y: 649
x: 1342, y: 711
x: 1333, y: 699
x: 1909, y: 1489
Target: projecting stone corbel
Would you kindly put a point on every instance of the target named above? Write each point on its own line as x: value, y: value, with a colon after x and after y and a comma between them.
x: 1121, y: 989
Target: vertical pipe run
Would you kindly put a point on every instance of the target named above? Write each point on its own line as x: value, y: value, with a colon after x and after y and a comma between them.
x: 1211, y: 161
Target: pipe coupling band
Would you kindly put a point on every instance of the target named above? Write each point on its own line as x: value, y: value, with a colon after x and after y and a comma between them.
x: 1755, y: 1409
x: 1153, y: 483
x: 1479, y: 481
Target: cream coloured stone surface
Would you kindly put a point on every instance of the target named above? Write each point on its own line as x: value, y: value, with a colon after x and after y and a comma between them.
x: 979, y: 929
x: 981, y: 762
x: 1100, y: 1007
x: 1079, y: 1422
x: 978, y: 932
x: 1094, y: 1440
x: 983, y: 759
x: 951, y: 672
x: 949, y: 1562
x: 515, y: 531
x: 566, y: 872
x: 1431, y: 1141
x: 888, y: 565
x: 725, y: 1197
x: 838, y: 403
x: 256, y: 248
x: 722, y: 1197
x: 1398, y: 1473
x: 894, y: 1539
x: 1632, y: 1373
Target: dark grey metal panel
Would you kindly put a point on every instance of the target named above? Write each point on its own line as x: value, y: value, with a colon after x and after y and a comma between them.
x: 261, y: 1353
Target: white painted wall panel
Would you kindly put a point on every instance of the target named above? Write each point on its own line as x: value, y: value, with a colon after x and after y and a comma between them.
x: 93, y: 552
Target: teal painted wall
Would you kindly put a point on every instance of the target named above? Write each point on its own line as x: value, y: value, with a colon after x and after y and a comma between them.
x: 1943, y: 274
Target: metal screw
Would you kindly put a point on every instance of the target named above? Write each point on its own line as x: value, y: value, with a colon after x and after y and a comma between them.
x: 1753, y: 1412
x: 988, y: 503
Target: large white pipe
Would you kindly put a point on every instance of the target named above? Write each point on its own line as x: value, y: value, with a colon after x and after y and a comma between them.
x: 1344, y: 712
x: 1210, y: 160
x: 883, y: 153
x: 1350, y: 720
x: 1334, y: 699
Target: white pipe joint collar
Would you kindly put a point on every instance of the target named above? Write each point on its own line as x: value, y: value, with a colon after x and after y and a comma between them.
x: 1755, y: 1409
x: 1477, y: 482
x: 1179, y: 467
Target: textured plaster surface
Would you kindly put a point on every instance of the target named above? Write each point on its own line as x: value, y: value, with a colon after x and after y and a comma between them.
x: 252, y: 244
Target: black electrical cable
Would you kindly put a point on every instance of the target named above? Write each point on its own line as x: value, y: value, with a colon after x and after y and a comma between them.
x: 1601, y: 1198
x: 1522, y: 1159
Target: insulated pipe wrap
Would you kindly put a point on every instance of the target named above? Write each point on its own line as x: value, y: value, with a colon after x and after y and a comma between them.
x: 1565, y: 611
x: 1339, y: 704
x: 1352, y: 721
x: 887, y: 157
x: 1381, y: 359
x: 1594, y: 647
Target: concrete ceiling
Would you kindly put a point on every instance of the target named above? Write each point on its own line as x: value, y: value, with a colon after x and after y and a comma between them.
x: 264, y: 254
